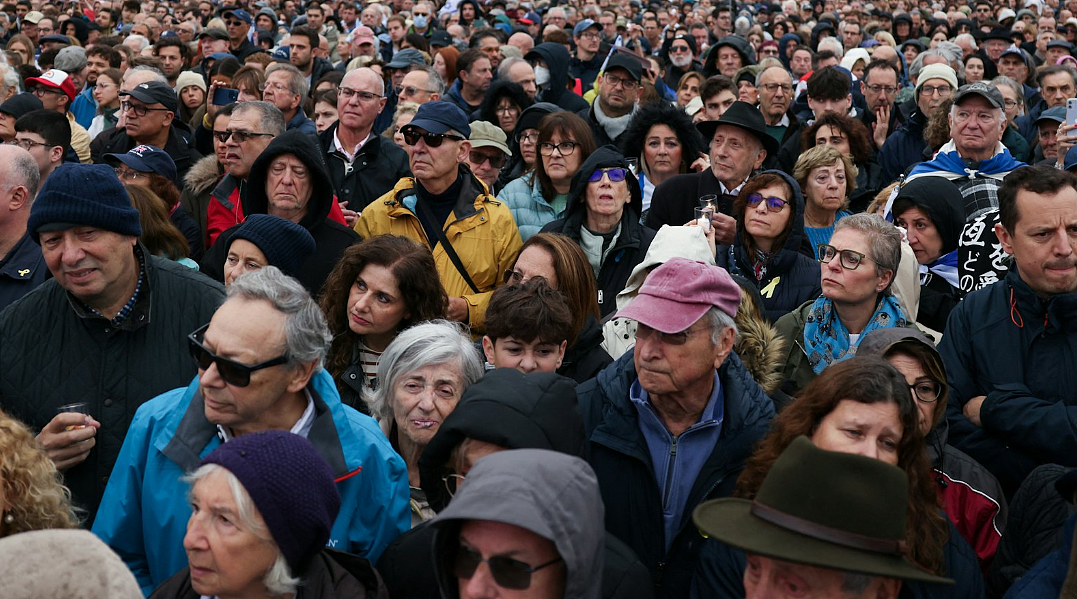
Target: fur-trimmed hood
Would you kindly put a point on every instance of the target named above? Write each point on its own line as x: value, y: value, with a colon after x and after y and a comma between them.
x: 203, y: 175
x: 761, y: 350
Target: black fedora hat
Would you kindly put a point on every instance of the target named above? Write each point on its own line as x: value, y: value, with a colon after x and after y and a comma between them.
x: 822, y: 508
x: 747, y: 117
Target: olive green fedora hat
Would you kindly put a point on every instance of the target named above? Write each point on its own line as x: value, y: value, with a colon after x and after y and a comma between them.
x: 822, y: 508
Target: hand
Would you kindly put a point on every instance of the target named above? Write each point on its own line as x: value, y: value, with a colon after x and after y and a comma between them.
x: 709, y: 233
x: 703, y: 162
x: 68, y: 438
x: 350, y: 216
x: 458, y: 309
x: 211, y: 108
x: 1065, y: 141
x: 971, y: 410
x: 725, y: 228
x: 882, y: 125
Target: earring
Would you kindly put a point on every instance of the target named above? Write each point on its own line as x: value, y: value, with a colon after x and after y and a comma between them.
x: 8, y: 519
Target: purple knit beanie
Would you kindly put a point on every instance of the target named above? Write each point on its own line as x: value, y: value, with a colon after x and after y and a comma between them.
x: 291, y: 486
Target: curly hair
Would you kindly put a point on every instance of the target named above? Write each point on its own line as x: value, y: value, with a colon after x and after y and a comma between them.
x: 868, y: 380
x: 851, y: 128
x: 503, y: 89
x: 662, y: 113
x: 416, y: 276
x: 33, y: 490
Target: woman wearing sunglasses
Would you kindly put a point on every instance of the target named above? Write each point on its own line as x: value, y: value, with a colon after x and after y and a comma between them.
x: 602, y: 216
x: 766, y: 250
x: 857, y: 268
x: 827, y: 177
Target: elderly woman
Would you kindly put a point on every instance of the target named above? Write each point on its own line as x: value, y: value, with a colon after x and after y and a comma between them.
x: 421, y: 376
x: 505, y: 101
x: 858, y: 266
x: 666, y: 143
x: 862, y: 406
x: 263, y: 240
x: 405, y: 111
x: 379, y: 288
x: 262, y: 508
x: 542, y: 195
x: 827, y: 177
x: 603, y: 218
x: 850, y: 137
x: 932, y: 212
x: 32, y: 494
x: 770, y: 227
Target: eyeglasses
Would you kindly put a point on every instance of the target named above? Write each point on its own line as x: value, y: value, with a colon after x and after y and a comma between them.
x: 452, y: 482
x: 420, y: 14
x: 478, y: 158
x: 927, y: 391
x: 679, y: 49
x: 25, y: 144
x: 616, y: 174
x: 126, y: 174
x: 241, y: 136
x: 888, y: 89
x: 347, y: 93
x: 1010, y: 103
x: 41, y: 90
x: 236, y: 23
x: 530, y: 138
x: 275, y: 86
x: 234, y: 373
x: 140, y: 110
x: 627, y: 84
x: 506, y: 110
x: 508, y: 573
x: 407, y: 92
x: 643, y: 332
x: 433, y: 140
x: 850, y: 259
x: 774, y: 87
x: 566, y: 148
x: 773, y: 204
x: 930, y: 90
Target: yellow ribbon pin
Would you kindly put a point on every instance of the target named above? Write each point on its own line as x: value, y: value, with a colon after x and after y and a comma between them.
x: 768, y: 291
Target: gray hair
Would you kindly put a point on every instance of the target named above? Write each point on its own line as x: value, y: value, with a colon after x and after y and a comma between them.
x: 967, y: 38
x: 157, y: 74
x: 433, y: 342
x: 143, y: 43
x: 884, y: 240
x: 22, y: 170
x: 297, y: 82
x: 720, y: 321
x: 269, y: 115
x: 306, y: 334
x: 278, y: 578
x: 832, y: 44
x: 506, y: 64
x: 1041, y: 73
x: 434, y: 82
x: 999, y: 113
x: 10, y: 76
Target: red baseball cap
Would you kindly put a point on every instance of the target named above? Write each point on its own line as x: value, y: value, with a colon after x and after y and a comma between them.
x: 55, y: 79
x: 679, y: 292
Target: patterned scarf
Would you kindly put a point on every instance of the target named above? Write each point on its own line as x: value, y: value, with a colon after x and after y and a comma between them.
x: 826, y: 340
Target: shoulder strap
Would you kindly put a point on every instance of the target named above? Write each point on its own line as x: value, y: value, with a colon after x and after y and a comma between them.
x: 426, y: 215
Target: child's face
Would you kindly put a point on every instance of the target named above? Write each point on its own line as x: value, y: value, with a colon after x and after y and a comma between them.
x: 535, y: 356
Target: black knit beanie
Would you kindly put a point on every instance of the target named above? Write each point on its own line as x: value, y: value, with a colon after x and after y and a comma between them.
x: 83, y: 195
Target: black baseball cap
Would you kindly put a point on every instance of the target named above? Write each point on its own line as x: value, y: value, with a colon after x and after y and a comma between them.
x: 622, y: 61
x: 154, y: 92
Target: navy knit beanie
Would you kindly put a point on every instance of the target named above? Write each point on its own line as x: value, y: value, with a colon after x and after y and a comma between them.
x: 285, y: 244
x: 83, y: 195
x: 290, y: 484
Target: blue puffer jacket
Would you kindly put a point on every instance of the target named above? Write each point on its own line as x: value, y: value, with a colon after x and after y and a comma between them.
x: 143, y: 515
x: 1045, y: 579
x: 529, y: 208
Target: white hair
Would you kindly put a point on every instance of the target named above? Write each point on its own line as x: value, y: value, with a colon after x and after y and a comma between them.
x: 832, y: 44
x: 141, y: 39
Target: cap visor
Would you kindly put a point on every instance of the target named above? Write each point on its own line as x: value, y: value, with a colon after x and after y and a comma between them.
x: 429, y: 126
x: 666, y: 316
x: 130, y: 160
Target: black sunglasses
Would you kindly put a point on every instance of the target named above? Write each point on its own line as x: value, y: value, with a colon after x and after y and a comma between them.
x: 507, y: 572
x: 433, y: 140
x: 234, y: 373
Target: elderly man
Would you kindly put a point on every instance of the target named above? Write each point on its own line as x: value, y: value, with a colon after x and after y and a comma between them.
x: 286, y: 88
x: 149, y: 110
x: 518, y: 70
x: 56, y: 91
x: 22, y: 266
x: 1013, y: 410
x: 362, y: 164
x: 259, y: 363
x: 681, y: 51
x: 934, y: 84
x: 106, y: 332
x: 474, y: 77
x: 421, y: 85
x: 289, y: 180
x: 739, y: 144
x: 618, y: 91
x: 775, y: 96
x: 671, y: 423
x: 489, y: 151
x: 800, y: 548
x: 1047, y: 131
x: 446, y: 208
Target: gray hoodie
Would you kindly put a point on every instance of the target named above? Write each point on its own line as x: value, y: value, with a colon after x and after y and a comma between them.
x: 552, y: 494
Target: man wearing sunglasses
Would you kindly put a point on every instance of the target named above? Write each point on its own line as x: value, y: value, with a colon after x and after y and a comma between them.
x: 238, y: 23
x: 259, y: 363
x: 489, y: 151
x: 445, y: 207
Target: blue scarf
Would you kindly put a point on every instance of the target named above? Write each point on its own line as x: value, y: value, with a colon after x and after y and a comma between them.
x: 945, y: 267
x: 826, y: 340
x: 948, y: 164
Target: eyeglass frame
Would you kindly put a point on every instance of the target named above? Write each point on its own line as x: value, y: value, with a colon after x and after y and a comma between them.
x: 140, y: 110
x: 129, y: 174
x: 193, y: 344
x: 768, y: 201
x: 400, y: 89
x: 667, y: 338
x: 887, y: 89
x: 486, y: 158
x: 428, y: 137
x: 929, y: 90
x: 364, y: 96
x: 840, y: 254
x: 459, y: 478
x: 546, y: 148
x: 496, y: 572
x: 920, y: 398
x: 20, y: 143
x: 626, y: 83
x: 241, y: 136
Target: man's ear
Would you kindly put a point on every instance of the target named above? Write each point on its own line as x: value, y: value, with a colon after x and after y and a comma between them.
x: 1004, y: 238
x: 488, y: 349
x: 20, y: 197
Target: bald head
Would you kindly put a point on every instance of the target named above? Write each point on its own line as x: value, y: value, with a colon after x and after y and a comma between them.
x: 366, y: 79
x: 522, y: 41
x: 18, y: 169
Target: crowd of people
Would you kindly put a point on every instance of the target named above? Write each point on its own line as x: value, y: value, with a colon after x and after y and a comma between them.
x: 570, y: 299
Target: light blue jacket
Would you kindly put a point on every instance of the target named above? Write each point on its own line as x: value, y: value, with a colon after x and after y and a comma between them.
x: 524, y: 198
x: 144, y: 512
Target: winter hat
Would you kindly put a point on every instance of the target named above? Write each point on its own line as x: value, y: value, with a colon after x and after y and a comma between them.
x: 189, y: 78
x: 21, y: 104
x: 83, y: 194
x: 936, y: 71
x: 285, y: 244
x: 291, y: 485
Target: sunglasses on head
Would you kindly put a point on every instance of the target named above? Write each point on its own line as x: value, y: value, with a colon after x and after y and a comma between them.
x: 616, y: 174
x: 433, y: 140
x: 234, y: 373
x: 507, y: 572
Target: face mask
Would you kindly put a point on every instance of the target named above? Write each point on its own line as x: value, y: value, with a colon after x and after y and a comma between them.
x: 542, y: 76
x: 420, y: 21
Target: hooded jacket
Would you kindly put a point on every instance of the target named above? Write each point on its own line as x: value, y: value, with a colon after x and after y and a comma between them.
x: 331, y: 237
x: 516, y: 166
x: 791, y: 277
x: 556, y: 58
x: 551, y: 494
x: 741, y: 45
x: 631, y: 243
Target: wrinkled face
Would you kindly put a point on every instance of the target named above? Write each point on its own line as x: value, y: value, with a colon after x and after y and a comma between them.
x: 715, y: 106
x: 220, y: 124
x: 747, y: 92
x: 768, y: 578
x: 289, y: 185
x: 239, y: 156
x: 1048, y: 134
x: 538, y: 355
x: 486, y: 163
x: 215, y: 540
x: 507, y: 113
x: 279, y: 94
x: 775, y: 92
x: 1013, y: 67
x: 558, y: 166
x: 924, y: 237
x: 761, y: 223
x: 994, y: 49
x: 975, y: 127
x: 92, y: 264
x: 1044, y: 241
x: 913, y: 370
x: 664, y: 367
x: 375, y: 305
x: 355, y: 112
x: 826, y: 188
x: 607, y: 198
x: 422, y: 399
x: 325, y: 115
x: 1058, y: 88
x: 662, y: 151
x: 401, y: 122
x: 430, y: 163
x: 871, y: 430
x: 534, y: 261
x: 480, y: 75
x: 243, y: 257
x: 734, y: 154
x: 145, y: 128
x: 859, y: 286
x: 729, y: 61
x: 487, y: 539
x: 800, y: 63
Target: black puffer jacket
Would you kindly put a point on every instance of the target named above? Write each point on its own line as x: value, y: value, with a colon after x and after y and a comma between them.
x: 556, y: 58
x: 628, y: 248
x: 53, y: 353
x: 791, y: 278
x: 376, y: 169
x: 331, y: 238
x: 585, y: 358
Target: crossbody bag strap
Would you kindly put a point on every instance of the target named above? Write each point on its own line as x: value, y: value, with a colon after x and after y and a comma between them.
x: 428, y: 216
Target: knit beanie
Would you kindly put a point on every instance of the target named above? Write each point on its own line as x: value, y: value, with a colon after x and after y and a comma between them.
x: 83, y: 194
x: 291, y: 485
x: 936, y: 71
x: 21, y: 104
x: 285, y: 244
x: 189, y: 78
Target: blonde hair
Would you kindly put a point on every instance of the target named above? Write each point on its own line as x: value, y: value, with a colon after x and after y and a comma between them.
x: 825, y: 156
x: 33, y: 489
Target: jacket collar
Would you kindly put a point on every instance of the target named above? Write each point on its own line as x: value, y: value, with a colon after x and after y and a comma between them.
x: 141, y: 313
x: 473, y: 194
x: 23, y: 260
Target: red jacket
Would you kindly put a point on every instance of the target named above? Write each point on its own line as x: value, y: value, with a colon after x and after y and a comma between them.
x: 226, y: 209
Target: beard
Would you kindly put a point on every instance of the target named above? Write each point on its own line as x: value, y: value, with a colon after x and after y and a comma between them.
x: 681, y: 60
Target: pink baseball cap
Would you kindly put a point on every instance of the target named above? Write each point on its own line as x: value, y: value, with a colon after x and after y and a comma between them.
x: 363, y: 35
x: 679, y: 292
x: 55, y: 79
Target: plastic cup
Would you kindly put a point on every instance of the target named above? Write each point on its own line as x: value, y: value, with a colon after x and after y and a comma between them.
x: 77, y: 408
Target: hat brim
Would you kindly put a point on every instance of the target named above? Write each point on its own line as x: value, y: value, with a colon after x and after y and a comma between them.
x: 130, y: 160
x: 430, y: 126
x: 962, y: 97
x: 706, y: 128
x: 730, y: 520
x: 489, y: 143
x: 663, y: 315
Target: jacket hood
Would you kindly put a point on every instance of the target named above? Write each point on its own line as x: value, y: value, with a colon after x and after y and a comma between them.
x: 556, y: 58
x: 305, y: 148
x: 741, y: 45
x: 529, y: 119
x: 605, y: 157
x: 783, y: 44
x: 551, y: 494
x: 511, y: 410
x: 940, y: 200
x: 796, y: 233
x: 669, y: 242
x: 203, y: 175
x: 762, y: 350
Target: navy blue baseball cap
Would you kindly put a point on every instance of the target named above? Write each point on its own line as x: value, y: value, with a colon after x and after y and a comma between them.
x: 240, y: 14
x: 1069, y: 162
x: 147, y: 159
x: 440, y: 117
x: 1056, y: 114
